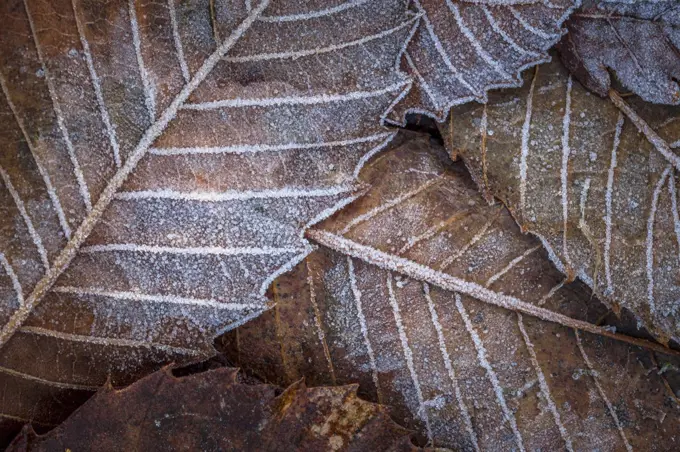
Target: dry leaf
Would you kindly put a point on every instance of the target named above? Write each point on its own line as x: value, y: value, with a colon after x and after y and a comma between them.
x: 464, y: 373
x: 639, y: 41
x: 463, y: 48
x: 576, y: 171
x: 213, y: 411
x: 152, y: 187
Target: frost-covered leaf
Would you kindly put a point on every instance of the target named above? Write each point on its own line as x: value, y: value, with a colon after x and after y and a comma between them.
x: 213, y: 411
x: 461, y: 371
x: 638, y: 40
x: 463, y: 48
x: 597, y: 183
x: 159, y: 163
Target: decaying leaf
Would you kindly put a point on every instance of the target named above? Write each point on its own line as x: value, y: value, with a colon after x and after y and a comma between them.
x: 159, y: 163
x: 638, y: 40
x: 577, y: 172
x: 463, y: 48
x: 461, y: 371
x: 213, y: 411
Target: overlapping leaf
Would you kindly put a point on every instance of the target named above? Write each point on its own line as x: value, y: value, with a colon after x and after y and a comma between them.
x: 212, y: 411
x: 463, y: 48
x: 597, y: 183
x: 159, y: 163
x: 638, y: 41
x: 390, y: 307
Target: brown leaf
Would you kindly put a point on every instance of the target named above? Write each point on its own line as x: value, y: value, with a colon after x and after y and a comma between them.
x: 461, y: 371
x: 463, y: 48
x: 576, y: 171
x: 638, y: 41
x: 151, y: 187
x: 213, y: 411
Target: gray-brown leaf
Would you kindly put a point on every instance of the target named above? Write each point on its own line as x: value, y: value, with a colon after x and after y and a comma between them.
x: 576, y: 171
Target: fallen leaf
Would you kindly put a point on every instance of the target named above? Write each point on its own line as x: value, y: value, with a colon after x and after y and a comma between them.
x: 213, y: 411
x: 160, y: 162
x: 463, y: 48
x: 595, y: 182
x: 405, y: 306
x: 638, y: 41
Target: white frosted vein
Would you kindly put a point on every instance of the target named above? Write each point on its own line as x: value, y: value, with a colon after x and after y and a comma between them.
x: 389, y: 204
x: 178, y: 42
x: 51, y: 192
x: 420, y: 272
x: 442, y: 53
x: 432, y: 231
x: 596, y: 379
x: 294, y: 54
x: 531, y: 28
x: 314, y: 14
x: 526, y: 133
x: 510, y: 266
x: 545, y: 389
x: 674, y: 210
x: 504, y: 35
x: 449, y: 367
x: 362, y: 324
x: 608, y: 197
x: 294, y: 100
x: 408, y: 355
x: 173, y: 299
x: 55, y: 384
x: 107, y: 341
x: 469, y: 35
x: 254, y: 148
x: 86, y: 227
x: 96, y: 84
x: 564, y: 171
x: 421, y: 81
x: 13, y: 278
x: 282, y: 193
x: 582, y: 203
x: 491, y: 374
x: 78, y: 173
x: 149, y: 97
x: 37, y: 241
x: 550, y: 294
x: 649, y: 243
x: 193, y: 250
x: 461, y: 251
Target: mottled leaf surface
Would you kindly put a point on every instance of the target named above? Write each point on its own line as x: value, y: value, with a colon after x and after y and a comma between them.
x: 213, y: 411
x: 591, y: 180
x: 159, y: 163
x: 638, y: 41
x: 463, y: 372
x: 464, y: 48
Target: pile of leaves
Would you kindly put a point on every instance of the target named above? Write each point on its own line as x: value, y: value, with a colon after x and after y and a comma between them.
x: 181, y: 180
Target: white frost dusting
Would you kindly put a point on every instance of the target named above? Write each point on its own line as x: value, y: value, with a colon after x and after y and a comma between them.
x: 650, y: 237
x: 136, y: 296
x: 449, y: 367
x: 481, y: 356
x: 254, y: 148
x: 282, y: 193
x: 408, y: 355
x: 608, y: 201
x: 96, y: 83
x: 13, y: 277
x: 37, y: 241
x: 51, y: 192
x: 293, y: 100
